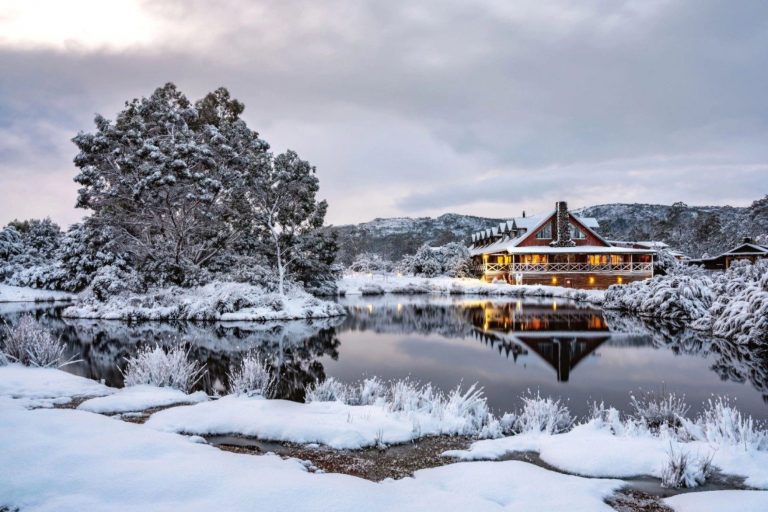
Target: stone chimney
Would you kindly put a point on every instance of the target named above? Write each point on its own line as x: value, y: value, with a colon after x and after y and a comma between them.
x: 747, y: 240
x: 562, y: 226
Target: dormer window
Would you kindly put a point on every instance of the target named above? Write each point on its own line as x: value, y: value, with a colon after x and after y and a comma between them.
x: 545, y: 233
x: 576, y: 233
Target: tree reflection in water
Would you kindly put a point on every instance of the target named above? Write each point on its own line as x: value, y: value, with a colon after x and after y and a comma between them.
x: 561, y: 334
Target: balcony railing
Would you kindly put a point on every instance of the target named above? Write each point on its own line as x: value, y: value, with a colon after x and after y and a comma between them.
x: 574, y: 268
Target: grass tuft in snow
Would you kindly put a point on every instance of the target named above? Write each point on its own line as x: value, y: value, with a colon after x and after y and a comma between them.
x: 657, y: 410
x: 251, y: 378
x: 542, y: 414
x: 158, y: 367
x: 409, y: 397
x: 684, y: 470
x: 31, y: 344
x: 722, y: 424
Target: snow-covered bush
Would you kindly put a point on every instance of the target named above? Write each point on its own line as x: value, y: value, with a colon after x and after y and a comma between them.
x: 452, y: 260
x: 329, y: 390
x: 28, y: 253
x: 684, y: 470
x: 31, y: 344
x: 251, y: 377
x: 217, y: 300
x: 673, y: 297
x: 722, y: 424
x: 658, y: 409
x: 733, y: 305
x: 371, y: 391
x: 544, y: 415
x: 163, y: 368
x: 368, y: 262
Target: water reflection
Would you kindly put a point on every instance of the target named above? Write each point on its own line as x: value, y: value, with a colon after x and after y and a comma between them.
x: 570, y: 350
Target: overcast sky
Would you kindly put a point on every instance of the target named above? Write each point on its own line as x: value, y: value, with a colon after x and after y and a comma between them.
x: 412, y: 108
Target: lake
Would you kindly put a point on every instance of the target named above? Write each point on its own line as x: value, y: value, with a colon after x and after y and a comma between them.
x: 564, y: 349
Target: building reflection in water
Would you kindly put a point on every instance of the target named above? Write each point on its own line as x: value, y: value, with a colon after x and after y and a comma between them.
x: 562, y: 337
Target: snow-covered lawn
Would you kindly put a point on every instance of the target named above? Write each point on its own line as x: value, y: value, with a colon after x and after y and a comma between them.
x: 217, y: 301
x: 592, y: 449
x: 378, y: 284
x: 45, y: 387
x: 140, y: 398
x: 23, y: 294
x: 68, y: 460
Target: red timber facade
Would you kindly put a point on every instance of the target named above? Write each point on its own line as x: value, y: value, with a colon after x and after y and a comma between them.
x: 558, y: 249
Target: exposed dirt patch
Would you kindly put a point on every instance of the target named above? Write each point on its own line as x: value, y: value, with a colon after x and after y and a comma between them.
x: 72, y: 404
x: 633, y: 500
x: 373, y: 464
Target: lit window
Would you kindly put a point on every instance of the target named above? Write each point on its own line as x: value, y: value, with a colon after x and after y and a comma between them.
x: 545, y: 233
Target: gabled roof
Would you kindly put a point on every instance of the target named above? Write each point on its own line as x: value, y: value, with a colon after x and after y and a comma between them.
x: 751, y: 249
x: 531, y: 225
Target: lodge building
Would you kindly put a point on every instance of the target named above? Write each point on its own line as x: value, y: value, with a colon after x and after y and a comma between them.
x: 558, y: 248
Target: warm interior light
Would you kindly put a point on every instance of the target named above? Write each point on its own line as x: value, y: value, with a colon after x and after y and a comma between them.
x: 619, y: 279
x: 591, y: 280
x: 554, y: 280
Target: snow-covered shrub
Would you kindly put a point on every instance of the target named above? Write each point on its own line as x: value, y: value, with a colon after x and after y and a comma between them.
x: 406, y: 395
x: 684, y: 470
x: 673, y: 297
x: 722, y: 424
x: 112, y: 280
x: 252, y: 377
x: 658, y: 409
x: 473, y: 407
x: 371, y: 391
x: 452, y: 260
x: 28, y: 252
x: 368, y: 262
x: 544, y: 415
x: 157, y: 367
x: 329, y: 390
x: 31, y: 344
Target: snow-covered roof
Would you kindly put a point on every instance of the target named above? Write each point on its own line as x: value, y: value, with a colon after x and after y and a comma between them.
x: 754, y: 249
x: 526, y: 226
x: 648, y: 244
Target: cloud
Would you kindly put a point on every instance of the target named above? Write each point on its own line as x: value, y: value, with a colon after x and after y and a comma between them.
x: 416, y: 108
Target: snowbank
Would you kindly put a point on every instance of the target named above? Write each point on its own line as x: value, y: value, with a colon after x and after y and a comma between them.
x: 720, y: 501
x: 217, y: 301
x: 46, y: 387
x: 594, y: 449
x: 23, y: 294
x: 378, y: 284
x: 333, y: 424
x: 732, y: 305
x: 140, y: 398
x: 84, y: 461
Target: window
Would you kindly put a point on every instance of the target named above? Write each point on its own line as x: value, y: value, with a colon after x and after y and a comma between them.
x: 598, y: 259
x: 616, y: 259
x: 545, y: 233
x: 534, y: 259
x: 576, y: 233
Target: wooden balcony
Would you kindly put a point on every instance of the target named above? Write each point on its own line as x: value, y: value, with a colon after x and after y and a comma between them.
x: 569, y: 268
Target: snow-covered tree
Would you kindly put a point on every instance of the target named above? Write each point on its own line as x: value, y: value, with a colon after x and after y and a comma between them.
x: 450, y: 260
x: 370, y: 262
x: 286, y: 212
x: 168, y: 186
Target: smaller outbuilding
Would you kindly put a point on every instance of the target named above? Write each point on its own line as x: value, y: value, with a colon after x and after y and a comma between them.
x: 746, y: 250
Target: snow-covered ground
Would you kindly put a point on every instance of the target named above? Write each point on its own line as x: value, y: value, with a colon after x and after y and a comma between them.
x: 593, y: 449
x: 140, y: 398
x: 378, y: 284
x: 217, y: 301
x: 46, y: 387
x: 68, y: 460
x: 333, y: 424
x: 720, y: 501
x: 23, y: 294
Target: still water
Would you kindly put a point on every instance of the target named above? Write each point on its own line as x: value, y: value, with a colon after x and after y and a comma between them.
x: 564, y: 349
